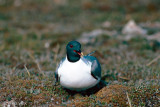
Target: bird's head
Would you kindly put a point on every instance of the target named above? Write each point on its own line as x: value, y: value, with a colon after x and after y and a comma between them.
x: 73, y: 49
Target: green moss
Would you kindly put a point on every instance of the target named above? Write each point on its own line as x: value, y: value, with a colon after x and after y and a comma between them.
x: 4, y: 16
x: 13, y: 39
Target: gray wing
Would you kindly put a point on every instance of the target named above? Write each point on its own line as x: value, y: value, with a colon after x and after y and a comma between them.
x: 56, y: 72
x: 95, y: 67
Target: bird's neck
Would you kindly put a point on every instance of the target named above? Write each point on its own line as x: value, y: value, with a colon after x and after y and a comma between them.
x: 73, y: 58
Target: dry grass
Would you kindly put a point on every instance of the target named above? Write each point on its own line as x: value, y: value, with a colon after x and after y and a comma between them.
x: 33, y: 36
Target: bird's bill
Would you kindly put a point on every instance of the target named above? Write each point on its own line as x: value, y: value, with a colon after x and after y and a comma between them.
x: 79, y: 53
x: 82, y: 54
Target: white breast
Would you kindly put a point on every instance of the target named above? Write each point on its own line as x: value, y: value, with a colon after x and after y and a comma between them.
x: 76, y: 76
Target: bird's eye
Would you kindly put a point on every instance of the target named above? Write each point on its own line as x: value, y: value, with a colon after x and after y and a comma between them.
x: 71, y: 46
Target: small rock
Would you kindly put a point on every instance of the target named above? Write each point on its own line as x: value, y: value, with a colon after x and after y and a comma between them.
x: 17, y: 3
x: 106, y: 24
x: 11, y: 103
x: 52, y: 99
x: 46, y: 45
x: 90, y: 37
x: 21, y: 103
x: 93, y: 33
x: 154, y: 37
x: 131, y: 28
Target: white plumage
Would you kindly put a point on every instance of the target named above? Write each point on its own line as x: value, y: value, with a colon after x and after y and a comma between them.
x: 77, y: 75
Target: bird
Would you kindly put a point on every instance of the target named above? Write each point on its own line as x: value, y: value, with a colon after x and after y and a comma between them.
x: 78, y: 72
